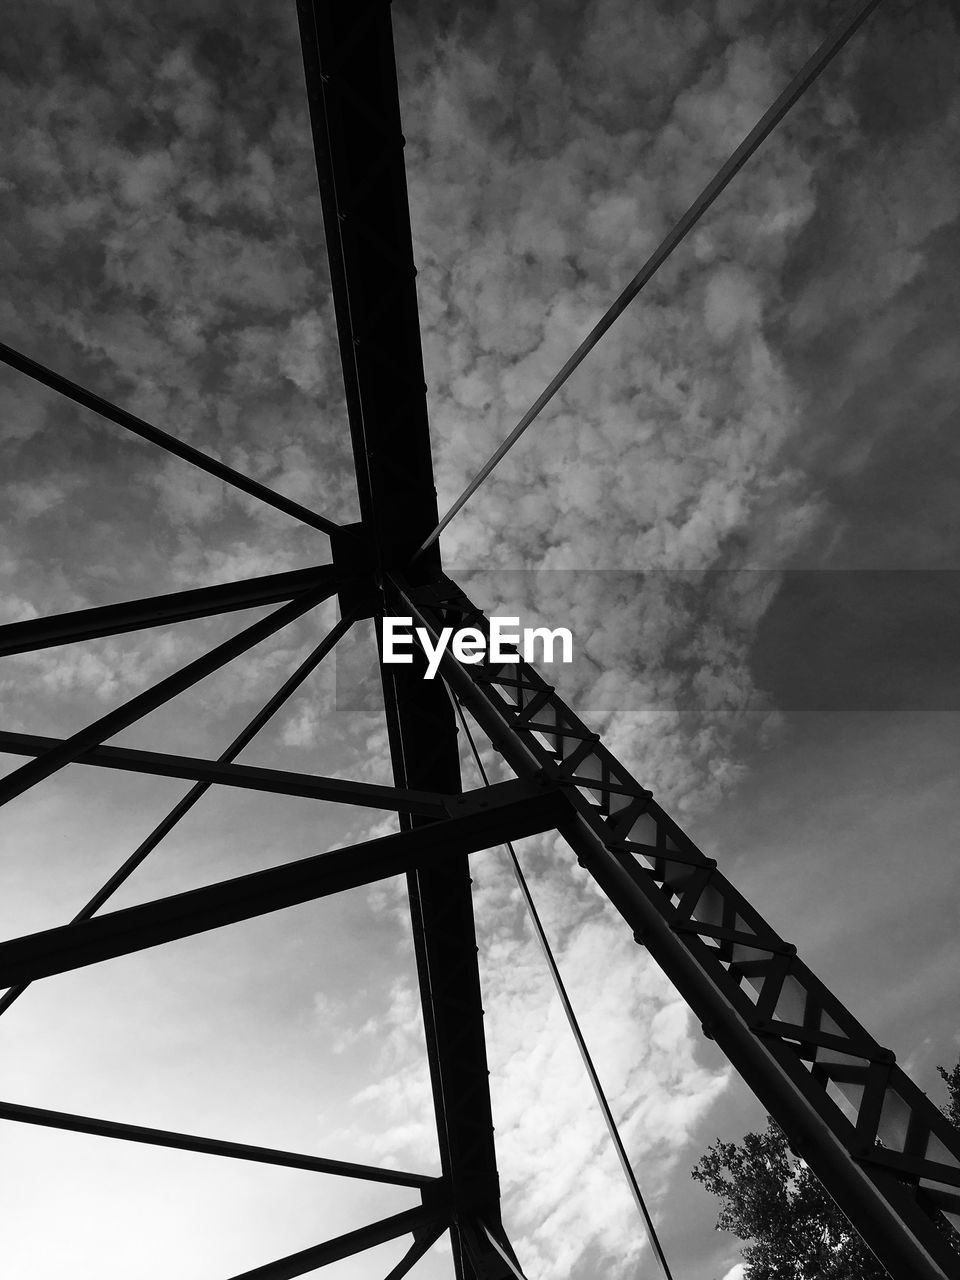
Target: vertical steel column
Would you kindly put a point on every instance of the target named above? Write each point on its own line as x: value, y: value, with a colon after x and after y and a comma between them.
x: 355, y: 116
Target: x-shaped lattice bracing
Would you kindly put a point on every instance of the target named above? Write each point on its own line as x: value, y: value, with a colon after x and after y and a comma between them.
x: 889, y: 1157
x: 756, y: 998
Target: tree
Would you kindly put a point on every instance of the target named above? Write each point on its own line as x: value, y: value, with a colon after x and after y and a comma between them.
x: 773, y: 1201
x: 952, y: 1081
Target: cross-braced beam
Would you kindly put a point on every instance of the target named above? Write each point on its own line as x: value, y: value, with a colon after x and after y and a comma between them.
x: 888, y: 1157
x: 886, y: 1154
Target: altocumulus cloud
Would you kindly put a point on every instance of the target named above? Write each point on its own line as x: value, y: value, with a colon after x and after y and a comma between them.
x: 548, y: 151
x: 163, y: 245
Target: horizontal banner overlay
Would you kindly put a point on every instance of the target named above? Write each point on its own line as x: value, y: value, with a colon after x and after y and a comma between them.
x: 715, y: 641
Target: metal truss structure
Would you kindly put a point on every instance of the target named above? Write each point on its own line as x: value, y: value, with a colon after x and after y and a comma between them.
x: 886, y: 1154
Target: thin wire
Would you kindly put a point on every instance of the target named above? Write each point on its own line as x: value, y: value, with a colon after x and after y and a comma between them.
x: 186, y: 803
x: 834, y: 42
x: 163, y: 440
x: 572, y: 1017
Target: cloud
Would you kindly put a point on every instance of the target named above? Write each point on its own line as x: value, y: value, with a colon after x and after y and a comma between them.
x: 162, y: 231
x: 676, y: 452
x: 564, y: 1191
x: 158, y: 255
x: 21, y: 414
x: 731, y: 303
x: 667, y: 450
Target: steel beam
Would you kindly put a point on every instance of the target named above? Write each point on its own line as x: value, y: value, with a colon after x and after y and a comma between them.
x: 352, y: 91
x: 492, y: 1258
x: 183, y: 806
x: 245, y: 776
x: 422, y: 1242
x: 162, y: 439
x: 351, y: 82
x: 157, y: 611
x: 321, y: 1255
x: 489, y: 816
x: 887, y: 1155
x: 70, y: 749
x: 71, y: 1123
x: 787, y: 1035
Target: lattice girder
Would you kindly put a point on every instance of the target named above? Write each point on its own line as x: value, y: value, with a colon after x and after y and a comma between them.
x: 885, y: 1152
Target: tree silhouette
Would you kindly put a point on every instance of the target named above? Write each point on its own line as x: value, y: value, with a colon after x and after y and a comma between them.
x: 952, y: 1081
x: 771, y: 1200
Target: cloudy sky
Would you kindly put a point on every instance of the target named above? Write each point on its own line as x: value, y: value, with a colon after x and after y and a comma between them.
x: 743, y: 505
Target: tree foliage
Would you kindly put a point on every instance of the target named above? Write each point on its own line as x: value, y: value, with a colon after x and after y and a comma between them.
x: 952, y: 1081
x: 773, y: 1201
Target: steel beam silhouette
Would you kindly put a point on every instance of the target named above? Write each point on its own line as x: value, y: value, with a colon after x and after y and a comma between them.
x: 885, y: 1153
